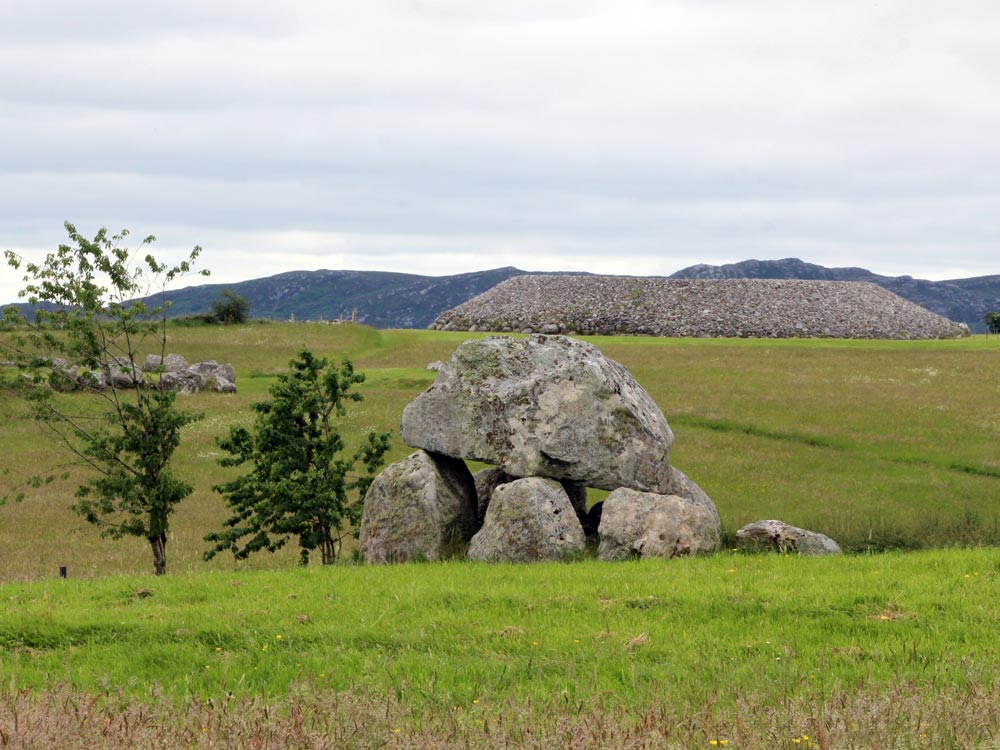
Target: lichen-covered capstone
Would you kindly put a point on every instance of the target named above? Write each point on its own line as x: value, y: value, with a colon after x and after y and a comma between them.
x: 418, y: 508
x: 545, y: 406
x: 644, y: 524
x: 528, y: 520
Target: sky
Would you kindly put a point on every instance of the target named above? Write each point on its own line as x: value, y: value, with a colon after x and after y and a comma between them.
x: 446, y: 136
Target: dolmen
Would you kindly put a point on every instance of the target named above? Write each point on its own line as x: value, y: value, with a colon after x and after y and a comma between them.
x: 551, y: 416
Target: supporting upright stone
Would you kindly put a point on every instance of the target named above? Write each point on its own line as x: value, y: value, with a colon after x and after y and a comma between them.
x: 423, y: 507
x: 528, y: 520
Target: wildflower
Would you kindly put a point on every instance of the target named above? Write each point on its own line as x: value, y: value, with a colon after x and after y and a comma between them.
x: 732, y: 570
x: 475, y: 701
x: 264, y: 647
x: 278, y: 637
x: 218, y: 648
x: 535, y: 643
x: 397, y: 730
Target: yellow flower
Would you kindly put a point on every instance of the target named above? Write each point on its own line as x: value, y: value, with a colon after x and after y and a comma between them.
x: 732, y: 570
x: 264, y: 648
x: 278, y: 637
x: 475, y: 701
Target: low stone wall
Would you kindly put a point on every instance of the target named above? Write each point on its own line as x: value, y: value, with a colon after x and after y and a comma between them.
x: 753, y: 308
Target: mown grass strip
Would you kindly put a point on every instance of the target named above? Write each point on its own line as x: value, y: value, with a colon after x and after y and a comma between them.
x: 838, y: 444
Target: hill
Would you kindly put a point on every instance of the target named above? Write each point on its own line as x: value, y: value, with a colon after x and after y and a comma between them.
x: 402, y: 300
x: 962, y: 300
x: 382, y: 299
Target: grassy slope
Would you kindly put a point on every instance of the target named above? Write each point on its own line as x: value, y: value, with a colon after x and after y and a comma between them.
x: 874, y: 443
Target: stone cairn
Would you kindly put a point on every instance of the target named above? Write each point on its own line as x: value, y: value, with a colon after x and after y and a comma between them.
x: 553, y: 416
x: 647, y: 306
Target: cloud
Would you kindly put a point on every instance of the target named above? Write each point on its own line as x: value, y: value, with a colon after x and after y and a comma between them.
x: 449, y: 134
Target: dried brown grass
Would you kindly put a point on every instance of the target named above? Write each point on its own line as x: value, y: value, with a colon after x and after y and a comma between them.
x: 906, y: 716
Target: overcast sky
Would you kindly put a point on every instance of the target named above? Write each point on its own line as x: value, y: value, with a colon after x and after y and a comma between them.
x: 443, y: 136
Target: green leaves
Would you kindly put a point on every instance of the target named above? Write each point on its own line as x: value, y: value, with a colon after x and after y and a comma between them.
x: 87, y: 331
x: 300, y: 485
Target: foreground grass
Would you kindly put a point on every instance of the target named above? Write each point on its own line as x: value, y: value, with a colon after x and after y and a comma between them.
x: 896, y: 650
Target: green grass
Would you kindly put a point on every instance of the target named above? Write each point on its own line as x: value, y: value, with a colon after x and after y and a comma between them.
x: 878, y: 444
x: 739, y: 636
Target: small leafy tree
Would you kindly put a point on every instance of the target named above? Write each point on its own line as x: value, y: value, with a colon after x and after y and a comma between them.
x: 300, y: 485
x: 992, y: 320
x: 86, y: 336
x: 229, y: 308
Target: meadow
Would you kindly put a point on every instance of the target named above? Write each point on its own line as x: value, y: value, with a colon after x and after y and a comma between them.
x: 889, y: 447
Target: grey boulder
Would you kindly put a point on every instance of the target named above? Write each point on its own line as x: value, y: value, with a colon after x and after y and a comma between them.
x: 422, y: 507
x: 545, y: 406
x: 528, y: 520
x: 169, y: 363
x: 780, y: 536
x: 645, y: 524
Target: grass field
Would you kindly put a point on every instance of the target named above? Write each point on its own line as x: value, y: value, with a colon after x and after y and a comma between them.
x: 879, y: 444
x: 735, y: 647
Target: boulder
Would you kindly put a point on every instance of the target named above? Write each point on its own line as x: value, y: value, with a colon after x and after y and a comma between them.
x: 170, y: 363
x: 181, y: 381
x: 645, y: 524
x: 123, y: 373
x: 780, y: 536
x: 528, y: 520
x: 422, y: 507
x: 486, y: 481
x: 212, y: 369
x: 545, y: 406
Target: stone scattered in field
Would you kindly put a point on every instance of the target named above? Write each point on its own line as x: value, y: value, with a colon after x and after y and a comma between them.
x: 778, y: 535
x: 528, y: 520
x: 644, y: 524
x: 422, y: 507
x: 175, y: 375
x: 546, y: 406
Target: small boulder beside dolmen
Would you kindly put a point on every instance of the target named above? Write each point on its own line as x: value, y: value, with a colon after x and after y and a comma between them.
x: 782, y: 537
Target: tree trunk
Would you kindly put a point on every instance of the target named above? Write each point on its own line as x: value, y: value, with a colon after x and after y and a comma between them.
x: 159, y: 545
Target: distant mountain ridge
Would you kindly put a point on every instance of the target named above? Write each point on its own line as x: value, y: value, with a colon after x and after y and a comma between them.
x: 962, y: 300
x: 401, y: 300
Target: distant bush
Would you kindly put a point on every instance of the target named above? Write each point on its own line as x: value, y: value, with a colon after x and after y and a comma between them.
x: 229, y: 307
